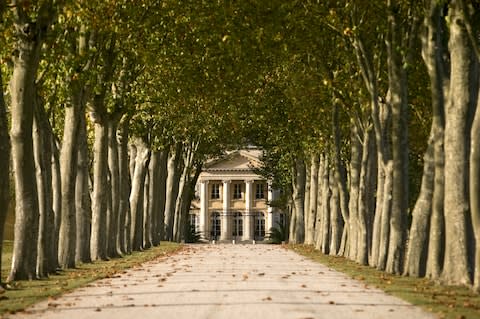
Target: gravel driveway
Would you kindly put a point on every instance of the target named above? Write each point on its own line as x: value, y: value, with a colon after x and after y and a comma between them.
x: 227, y: 281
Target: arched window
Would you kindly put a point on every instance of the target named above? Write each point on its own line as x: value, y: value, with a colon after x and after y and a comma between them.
x: 259, y: 226
x: 237, y: 224
x: 215, y: 225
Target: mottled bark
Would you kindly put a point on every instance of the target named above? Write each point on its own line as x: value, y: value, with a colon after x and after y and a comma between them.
x: 43, y: 153
x: 363, y: 213
x: 98, y: 239
x: 68, y: 168
x: 299, y: 177
x: 311, y: 211
x: 385, y: 218
x: 83, y: 203
x: 114, y: 178
x: 355, y: 170
x: 22, y: 105
x: 173, y: 181
x: 433, y: 51
x: 416, y: 256
x: 147, y: 222
x: 398, y: 99
x: 335, y: 216
x: 341, y: 181
x: 137, y: 194
x: 456, y: 266
x: 123, y: 232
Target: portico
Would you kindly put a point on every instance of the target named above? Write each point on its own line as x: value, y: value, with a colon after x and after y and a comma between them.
x: 233, y: 199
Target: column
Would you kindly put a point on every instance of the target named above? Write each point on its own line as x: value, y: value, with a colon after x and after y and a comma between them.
x: 226, y: 231
x: 247, y: 217
x: 204, y: 209
x: 269, y: 221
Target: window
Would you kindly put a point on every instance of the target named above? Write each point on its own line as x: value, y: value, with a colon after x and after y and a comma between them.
x: 237, y: 225
x: 215, y: 194
x: 259, y: 226
x: 237, y: 191
x: 259, y: 191
x: 215, y: 226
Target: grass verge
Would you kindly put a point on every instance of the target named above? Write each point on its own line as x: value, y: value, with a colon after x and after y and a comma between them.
x: 22, y: 294
x: 446, y: 301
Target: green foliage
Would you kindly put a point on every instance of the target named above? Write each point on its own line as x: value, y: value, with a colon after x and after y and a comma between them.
x: 192, y: 235
x: 277, y: 234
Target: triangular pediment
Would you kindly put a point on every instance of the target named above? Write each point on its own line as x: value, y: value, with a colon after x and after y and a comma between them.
x: 237, y: 160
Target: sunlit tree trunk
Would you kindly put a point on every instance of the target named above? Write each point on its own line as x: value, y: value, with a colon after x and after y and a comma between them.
x: 137, y: 194
x: 456, y: 265
x: 173, y: 181
x: 29, y: 41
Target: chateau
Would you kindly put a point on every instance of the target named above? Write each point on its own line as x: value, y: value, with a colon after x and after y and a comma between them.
x: 231, y: 201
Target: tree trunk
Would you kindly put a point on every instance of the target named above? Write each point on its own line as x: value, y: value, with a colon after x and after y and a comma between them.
x: 123, y: 233
x: 416, y: 256
x: 57, y: 199
x: 363, y: 213
x: 325, y: 208
x: 114, y: 170
x: 154, y: 196
x: 83, y: 203
x: 474, y: 189
x: 312, y: 207
x: 137, y: 194
x: 98, y: 240
x: 43, y: 153
x: 335, y: 216
x: 456, y: 266
x: 433, y: 51
x: 355, y: 170
x: 341, y: 181
x: 4, y: 168
x: 162, y: 191
x: 307, y: 201
x: 385, y: 218
x: 398, y: 99
x: 298, y: 200
x: 68, y: 167
x: 173, y: 181
x: 26, y: 201
x: 147, y: 225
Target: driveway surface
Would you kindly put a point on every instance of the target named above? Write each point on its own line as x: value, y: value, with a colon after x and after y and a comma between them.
x: 227, y: 281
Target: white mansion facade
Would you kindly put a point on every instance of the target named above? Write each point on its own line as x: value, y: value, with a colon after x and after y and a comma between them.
x: 231, y: 201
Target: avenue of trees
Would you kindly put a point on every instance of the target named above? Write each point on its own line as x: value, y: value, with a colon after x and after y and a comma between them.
x: 366, y: 110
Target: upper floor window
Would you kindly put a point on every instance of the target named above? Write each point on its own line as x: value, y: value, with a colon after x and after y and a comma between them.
x: 215, y: 194
x: 259, y: 191
x: 237, y: 191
